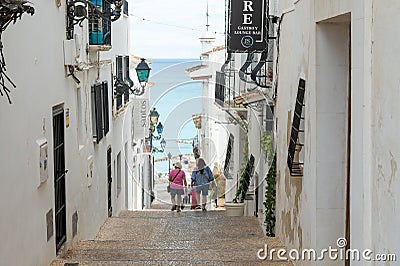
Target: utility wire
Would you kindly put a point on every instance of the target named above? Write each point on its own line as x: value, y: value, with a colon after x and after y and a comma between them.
x: 170, y: 25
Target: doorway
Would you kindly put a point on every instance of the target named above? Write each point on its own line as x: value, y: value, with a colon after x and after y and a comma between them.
x: 109, y: 182
x: 333, y: 124
x: 59, y: 177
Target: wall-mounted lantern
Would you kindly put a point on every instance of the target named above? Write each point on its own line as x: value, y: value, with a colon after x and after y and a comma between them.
x: 143, y: 73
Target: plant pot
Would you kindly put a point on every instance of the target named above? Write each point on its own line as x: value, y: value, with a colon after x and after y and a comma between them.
x: 234, y: 209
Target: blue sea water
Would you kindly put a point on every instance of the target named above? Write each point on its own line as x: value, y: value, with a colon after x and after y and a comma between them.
x: 176, y: 98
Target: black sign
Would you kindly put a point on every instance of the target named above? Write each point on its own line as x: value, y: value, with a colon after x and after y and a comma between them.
x: 247, y: 26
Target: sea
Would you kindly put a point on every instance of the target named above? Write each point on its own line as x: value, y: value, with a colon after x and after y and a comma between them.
x: 176, y: 98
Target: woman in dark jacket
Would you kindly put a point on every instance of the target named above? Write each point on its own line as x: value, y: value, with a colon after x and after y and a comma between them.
x: 201, y: 178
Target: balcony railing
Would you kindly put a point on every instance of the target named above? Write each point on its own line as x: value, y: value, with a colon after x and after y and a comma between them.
x: 100, y: 28
x: 99, y: 13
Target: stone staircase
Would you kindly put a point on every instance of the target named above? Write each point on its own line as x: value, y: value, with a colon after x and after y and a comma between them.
x: 163, y: 237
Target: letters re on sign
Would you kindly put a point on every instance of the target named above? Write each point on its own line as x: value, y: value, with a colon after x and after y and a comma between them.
x: 247, y: 26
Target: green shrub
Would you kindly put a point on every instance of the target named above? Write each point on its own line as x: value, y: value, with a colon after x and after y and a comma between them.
x: 270, y: 199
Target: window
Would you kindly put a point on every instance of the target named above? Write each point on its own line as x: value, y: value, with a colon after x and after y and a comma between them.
x: 268, y: 131
x: 128, y: 81
x: 123, y: 83
x: 220, y: 88
x: 295, y: 146
x: 100, y: 110
x: 99, y: 28
x: 119, y: 80
x: 268, y: 118
x: 106, y: 113
x: 125, y: 8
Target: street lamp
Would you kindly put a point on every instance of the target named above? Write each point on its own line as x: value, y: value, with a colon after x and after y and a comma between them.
x: 143, y: 73
x: 154, y: 115
x: 169, y: 162
x: 163, y: 143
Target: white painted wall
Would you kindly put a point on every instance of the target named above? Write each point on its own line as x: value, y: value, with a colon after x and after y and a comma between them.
x: 310, y: 210
x: 385, y: 115
x: 33, y: 49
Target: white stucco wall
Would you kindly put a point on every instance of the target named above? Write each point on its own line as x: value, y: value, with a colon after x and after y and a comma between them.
x: 33, y: 49
x: 385, y: 118
x: 311, y: 209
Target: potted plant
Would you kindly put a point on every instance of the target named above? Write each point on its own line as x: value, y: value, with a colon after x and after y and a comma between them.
x: 236, y: 207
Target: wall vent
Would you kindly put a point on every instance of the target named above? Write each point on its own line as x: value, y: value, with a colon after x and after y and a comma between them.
x: 49, y: 224
x: 74, y: 223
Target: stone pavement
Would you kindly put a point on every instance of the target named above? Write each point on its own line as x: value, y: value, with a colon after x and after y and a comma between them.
x: 162, y: 237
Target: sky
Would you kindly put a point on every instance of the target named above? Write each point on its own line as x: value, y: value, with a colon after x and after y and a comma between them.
x: 172, y: 28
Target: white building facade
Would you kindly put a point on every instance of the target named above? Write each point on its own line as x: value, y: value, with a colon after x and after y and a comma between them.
x: 341, y: 56
x: 233, y: 122
x: 72, y: 159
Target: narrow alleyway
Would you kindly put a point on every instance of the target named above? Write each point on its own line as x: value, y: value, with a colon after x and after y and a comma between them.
x: 160, y: 237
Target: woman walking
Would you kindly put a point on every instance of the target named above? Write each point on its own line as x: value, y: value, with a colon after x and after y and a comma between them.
x: 177, y: 178
x: 201, y: 178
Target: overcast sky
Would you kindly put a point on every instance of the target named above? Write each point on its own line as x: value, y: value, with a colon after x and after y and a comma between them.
x: 172, y: 28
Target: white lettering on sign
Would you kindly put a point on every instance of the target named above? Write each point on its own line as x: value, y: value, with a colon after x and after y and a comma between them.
x: 247, y: 18
x: 139, y: 117
x: 247, y: 7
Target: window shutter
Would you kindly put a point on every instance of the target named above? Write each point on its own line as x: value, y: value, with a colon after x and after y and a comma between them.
x: 106, y: 110
x: 269, y: 117
x: 220, y: 88
x: 120, y: 80
x: 128, y: 81
x: 98, y: 112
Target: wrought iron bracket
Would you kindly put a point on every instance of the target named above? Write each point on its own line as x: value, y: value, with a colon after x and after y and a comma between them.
x: 227, y: 61
x: 77, y: 12
x: 157, y: 137
x: 155, y: 149
x: 10, y: 11
x: 120, y: 86
x: 260, y: 75
x: 137, y: 90
x: 243, y: 72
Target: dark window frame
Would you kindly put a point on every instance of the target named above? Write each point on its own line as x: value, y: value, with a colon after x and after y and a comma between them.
x: 128, y: 81
x: 120, y: 78
x: 106, y: 108
x: 219, y: 88
x: 101, y: 111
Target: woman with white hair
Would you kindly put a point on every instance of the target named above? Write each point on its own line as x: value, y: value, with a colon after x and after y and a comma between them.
x: 177, y: 178
x: 201, y: 178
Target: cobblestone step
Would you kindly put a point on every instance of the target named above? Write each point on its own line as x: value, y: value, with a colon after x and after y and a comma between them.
x: 62, y: 262
x: 165, y: 237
